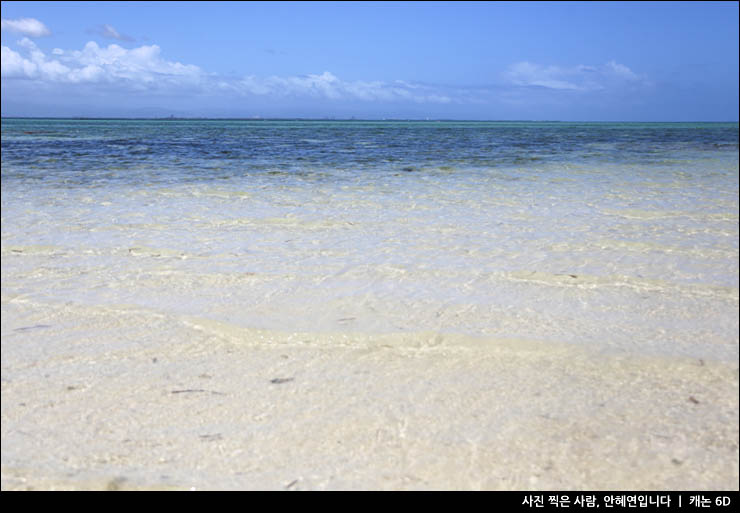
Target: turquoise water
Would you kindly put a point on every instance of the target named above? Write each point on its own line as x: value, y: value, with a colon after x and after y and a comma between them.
x: 622, y: 236
x: 96, y: 152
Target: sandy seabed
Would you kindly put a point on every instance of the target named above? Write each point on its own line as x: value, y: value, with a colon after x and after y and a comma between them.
x: 98, y: 398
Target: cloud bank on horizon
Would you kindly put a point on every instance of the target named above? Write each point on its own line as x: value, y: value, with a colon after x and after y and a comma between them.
x: 577, y: 78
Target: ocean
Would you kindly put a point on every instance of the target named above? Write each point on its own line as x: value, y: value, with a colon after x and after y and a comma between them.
x: 354, y: 305
x: 620, y: 236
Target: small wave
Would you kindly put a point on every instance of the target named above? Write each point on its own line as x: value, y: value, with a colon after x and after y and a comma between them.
x: 644, y: 214
x: 640, y: 284
x: 34, y: 250
x: 666, y: 214
x: 409, y: 341
x: 644, y: 247
x: 288, y: 222
x: 139, y: 251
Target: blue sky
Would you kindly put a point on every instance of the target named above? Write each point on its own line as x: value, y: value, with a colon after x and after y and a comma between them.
x: 584, y: 61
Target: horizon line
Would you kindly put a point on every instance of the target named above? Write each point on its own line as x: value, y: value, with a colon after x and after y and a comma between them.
x: 259, y: 118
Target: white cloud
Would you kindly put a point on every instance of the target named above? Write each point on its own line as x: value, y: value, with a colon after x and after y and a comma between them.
x: 110, y: 32
x: 26, y: 26
x: 143, y: 68
x: 328, y: 86
x: 138, y: 67
x: 13, y: 65
x: 620, y: 70
x: 576, y: 78
x: 528, y: 74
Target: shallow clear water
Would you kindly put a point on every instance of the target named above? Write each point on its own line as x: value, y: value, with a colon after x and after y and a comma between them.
x: 614, y: 235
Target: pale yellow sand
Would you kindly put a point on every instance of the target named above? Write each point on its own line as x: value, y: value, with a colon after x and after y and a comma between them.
x: 120, y: 398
